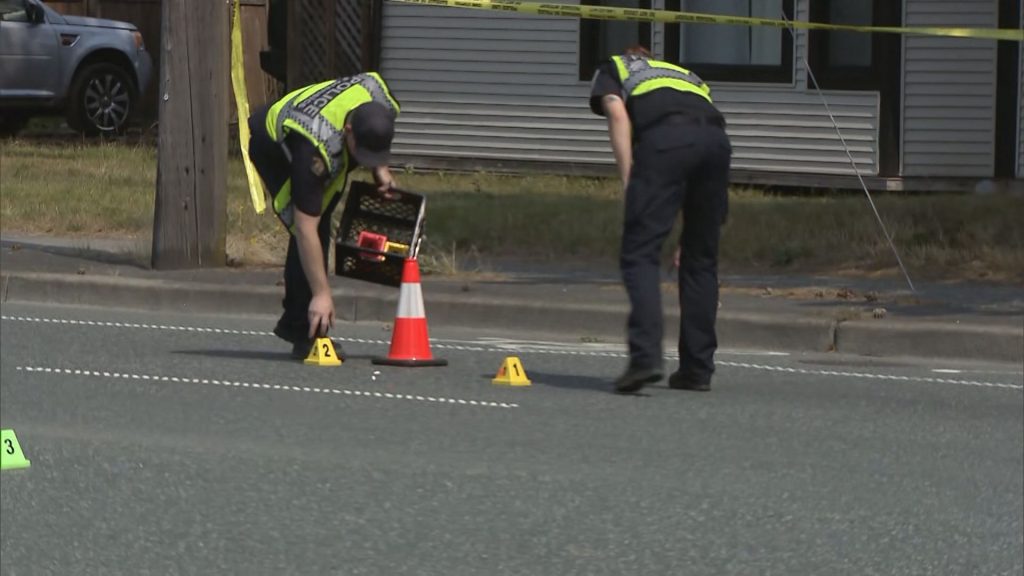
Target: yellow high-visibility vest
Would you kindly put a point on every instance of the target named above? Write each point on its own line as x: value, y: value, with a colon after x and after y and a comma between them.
x: 318, y: 113
x: 640, y: 75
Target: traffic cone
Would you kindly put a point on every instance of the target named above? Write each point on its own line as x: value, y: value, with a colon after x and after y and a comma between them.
x: 410, y: 344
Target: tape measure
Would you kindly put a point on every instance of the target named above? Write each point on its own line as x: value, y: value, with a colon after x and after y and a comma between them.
x: 669, y: 17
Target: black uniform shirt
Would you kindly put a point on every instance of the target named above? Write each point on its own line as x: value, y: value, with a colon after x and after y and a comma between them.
x: 645, y: 110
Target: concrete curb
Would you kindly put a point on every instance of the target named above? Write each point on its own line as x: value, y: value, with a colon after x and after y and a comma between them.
x: 135, y: 293
x: 931, y: 339
x: 789, y: 333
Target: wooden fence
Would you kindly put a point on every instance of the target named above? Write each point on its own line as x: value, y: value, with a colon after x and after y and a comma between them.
x: 331, y: 38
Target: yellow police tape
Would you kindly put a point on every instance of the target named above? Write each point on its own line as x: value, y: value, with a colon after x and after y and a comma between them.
x: 636, y: 14
x: 242, y: 104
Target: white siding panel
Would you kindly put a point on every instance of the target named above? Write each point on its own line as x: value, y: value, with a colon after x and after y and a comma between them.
x: 924, y: 111
x: 526, y: 45
x: 496, y: 78
x: 440, y: 26
x: 960, y: 65
x: 474, y: 86
x: 460, y: 66
x: 949, y: 90
x: 413, y: 56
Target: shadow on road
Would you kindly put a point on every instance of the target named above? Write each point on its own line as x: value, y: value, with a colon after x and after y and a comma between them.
x: 572, y: 382
x: 240, y: 354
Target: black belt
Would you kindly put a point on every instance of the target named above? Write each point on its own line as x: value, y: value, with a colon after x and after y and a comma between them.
x: 690, y: 119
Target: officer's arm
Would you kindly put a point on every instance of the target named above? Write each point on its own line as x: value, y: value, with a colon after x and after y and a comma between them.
x: 311, y: 254
x: 620, y: 133
x: 309, y: 182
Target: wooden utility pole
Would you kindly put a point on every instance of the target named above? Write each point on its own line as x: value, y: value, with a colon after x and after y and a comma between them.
x: 191, y: 210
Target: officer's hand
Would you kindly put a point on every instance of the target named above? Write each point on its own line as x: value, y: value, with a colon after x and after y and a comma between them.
x: 677, y: 256
x: 385, y: 181
x: 385, y: 187
x: 321, y: 315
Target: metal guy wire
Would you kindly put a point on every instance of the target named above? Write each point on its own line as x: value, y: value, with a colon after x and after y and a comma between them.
x: 853, y: 162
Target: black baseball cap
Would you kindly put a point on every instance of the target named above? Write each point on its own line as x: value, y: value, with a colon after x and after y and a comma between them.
x: 373, y: 127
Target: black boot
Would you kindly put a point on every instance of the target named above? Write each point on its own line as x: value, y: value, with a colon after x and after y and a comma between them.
x: 680, y: 381
x: 635, y: 379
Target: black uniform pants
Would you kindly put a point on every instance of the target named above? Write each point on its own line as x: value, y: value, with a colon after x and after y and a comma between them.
x: 681, y: 163
x: 275, y: 169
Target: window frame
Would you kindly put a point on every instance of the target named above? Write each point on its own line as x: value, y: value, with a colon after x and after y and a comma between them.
x: 873, y: 77
x: 589, y: 59
x: 782, y: 73
x: 882, y: 76
x: 24, y: 11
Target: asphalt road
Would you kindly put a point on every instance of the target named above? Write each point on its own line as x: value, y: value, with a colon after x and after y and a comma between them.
x: 175, y: 444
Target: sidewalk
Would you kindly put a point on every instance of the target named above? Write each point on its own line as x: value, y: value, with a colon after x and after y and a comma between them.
x: 786, y: 313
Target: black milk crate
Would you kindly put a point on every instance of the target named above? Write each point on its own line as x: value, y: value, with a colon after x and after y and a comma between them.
x: 368, y: 219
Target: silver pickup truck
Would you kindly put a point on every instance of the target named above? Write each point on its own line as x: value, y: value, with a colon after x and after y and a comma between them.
x: 88, y: 69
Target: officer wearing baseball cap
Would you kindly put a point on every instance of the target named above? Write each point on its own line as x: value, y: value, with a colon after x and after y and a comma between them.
x: 372, y: 127
x: 304, y: 146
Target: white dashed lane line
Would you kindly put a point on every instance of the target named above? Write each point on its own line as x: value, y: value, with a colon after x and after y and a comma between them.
x: 558, y: 350
x: 869, y: 375
x: 163, y: 327
x: 260, y: 386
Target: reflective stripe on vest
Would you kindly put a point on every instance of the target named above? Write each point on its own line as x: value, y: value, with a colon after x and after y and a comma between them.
x: 318, y: 112
x: 642, y: 75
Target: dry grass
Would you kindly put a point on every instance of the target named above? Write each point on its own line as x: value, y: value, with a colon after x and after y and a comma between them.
x: 938, y: 235
x: 108, y: 190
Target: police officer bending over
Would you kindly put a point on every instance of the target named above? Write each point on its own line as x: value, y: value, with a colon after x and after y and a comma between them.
x: 304, y: 147
x: 672, y: 153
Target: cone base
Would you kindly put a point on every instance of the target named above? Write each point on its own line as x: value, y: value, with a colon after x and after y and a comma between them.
x: 409, y: 362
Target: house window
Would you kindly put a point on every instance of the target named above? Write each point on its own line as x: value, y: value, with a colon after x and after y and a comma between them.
x: 602, y: 39
x: 862, y: 61
x: 853, y: 60
x: 732, y: 53
x: 13, y: 11
x: 849, y: 49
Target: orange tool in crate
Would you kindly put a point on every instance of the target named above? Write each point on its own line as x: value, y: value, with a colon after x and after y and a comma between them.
x: 375, y: 242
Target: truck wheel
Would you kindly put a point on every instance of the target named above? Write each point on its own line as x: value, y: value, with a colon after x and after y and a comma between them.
x: 102, y: 99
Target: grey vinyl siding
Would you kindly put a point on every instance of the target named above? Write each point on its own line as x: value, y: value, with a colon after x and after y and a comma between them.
x: 949, y: 91
x: 788, y: 131
x: 482, y: 85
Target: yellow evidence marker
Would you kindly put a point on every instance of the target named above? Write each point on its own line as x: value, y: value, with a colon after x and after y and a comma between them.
x: 511, y: 373
x: 11, y: 456
x: 322, y: 353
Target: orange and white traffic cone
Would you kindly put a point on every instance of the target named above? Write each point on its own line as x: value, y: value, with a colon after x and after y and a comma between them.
x: 410, y: 343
